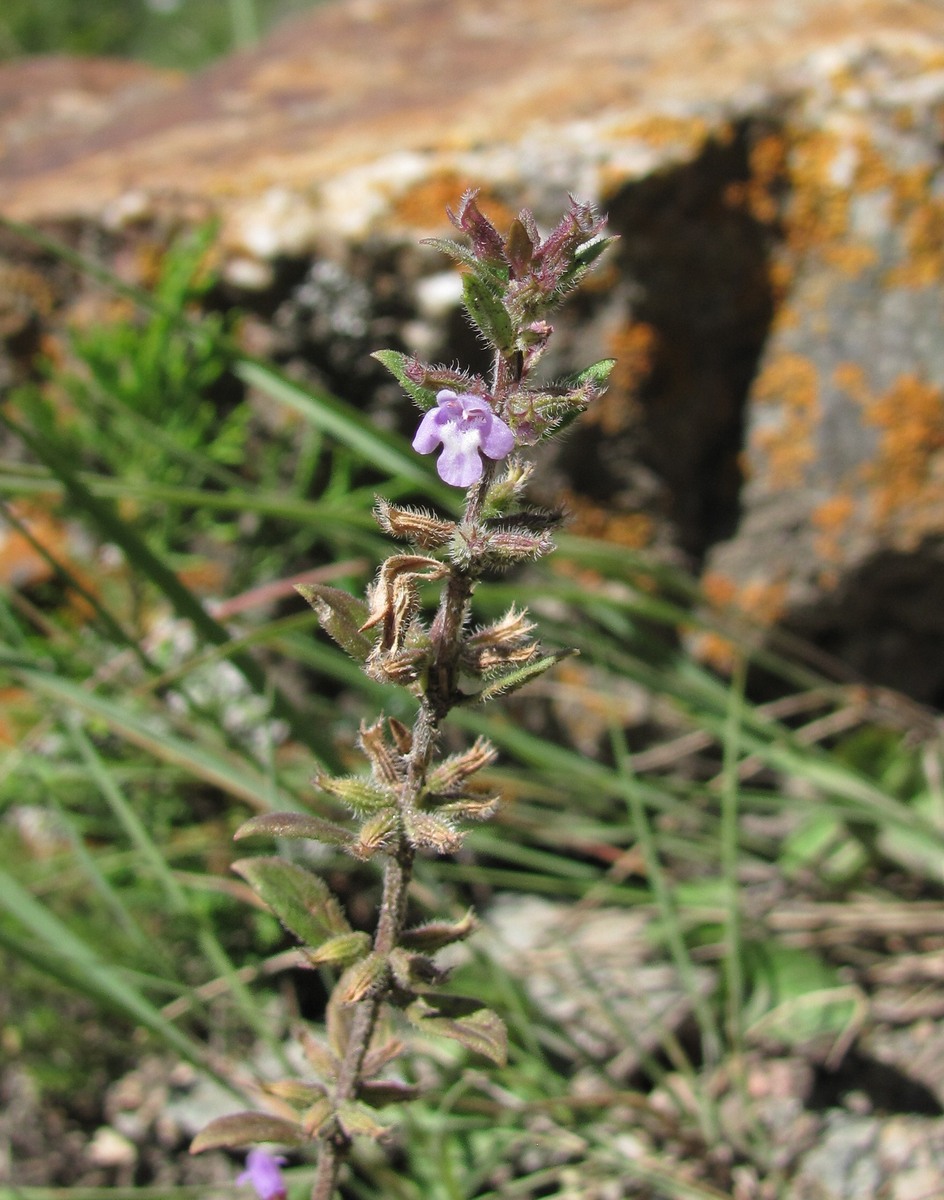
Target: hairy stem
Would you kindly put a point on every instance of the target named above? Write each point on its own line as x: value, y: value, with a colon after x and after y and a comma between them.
x: 440, y: 696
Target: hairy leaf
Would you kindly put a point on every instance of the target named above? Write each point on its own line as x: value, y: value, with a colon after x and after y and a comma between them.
x: 317, y: 1115
x: 463, y: 1020
x: 434, y: 935
x: 362, y: 979
x: 319, y: 1057
x: 511, y: 681
x: 358, y: 792
x: 295, y: 1092
x: 293, y: 825
x: 395, y: 362
x: 358, y: 1121
x: 597, y: 373
x: 341, y: 616
x: 300, y: 900
x: 487, y: 312
x: 245, y: 1129
x: 342, y: 950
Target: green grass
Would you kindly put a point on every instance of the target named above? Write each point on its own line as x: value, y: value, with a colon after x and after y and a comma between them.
x: 184, y: 34
x: 145, y: 722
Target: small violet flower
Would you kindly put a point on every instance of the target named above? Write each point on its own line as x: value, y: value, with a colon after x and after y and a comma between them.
x: 466, y: 426
x: 262, y: 1171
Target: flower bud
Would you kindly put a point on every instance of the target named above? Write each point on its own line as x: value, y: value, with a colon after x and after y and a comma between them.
x: 414, y: 525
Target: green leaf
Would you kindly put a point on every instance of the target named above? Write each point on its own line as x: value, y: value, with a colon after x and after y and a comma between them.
x: 293, y: 825
x: 358, y: 792
x: 395, y: 362
x: 463, y: 1020
x: 461, y: 254
x: 295, y: 1092
x: 597, y: 373
x: 358, y: 1121
x: 361, y: 980
x: 466, y: 258
x: 342, y: 950
x: 436, y: 934
x: 319, y: 1057
x: 245, y: 1129
x: 487, y: 312
x: 300, y: 900
x: 589, y: 252
x: 511, y: 681
x: 795, y: 995
x: 317, y: 1115
x: 584, y: 259
x: 341, y: 616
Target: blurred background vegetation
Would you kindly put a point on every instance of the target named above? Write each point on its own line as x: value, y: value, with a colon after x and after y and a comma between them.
x: 185, y: 34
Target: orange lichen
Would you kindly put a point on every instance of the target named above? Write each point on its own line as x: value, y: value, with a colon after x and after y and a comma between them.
x: 850, y: 377
x: 790, y: 382
x: 765, y: 600
x: 905, y: 478
x: 850, y: 259
x: 664, y: 129
x: 714, y: 650
x: 921, y: 218
x: 818, y: 213
x: 831, y: 521
x: 762, y: 599
x: 825, y: 172
x: 719, y: 590
x: 423, y: 206
x: 873, y: 172
x: 636, y: 530
x: 634, y: 347
x: 759, y: 194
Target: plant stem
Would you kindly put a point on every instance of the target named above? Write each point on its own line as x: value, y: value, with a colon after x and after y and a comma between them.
x: 440, y: 696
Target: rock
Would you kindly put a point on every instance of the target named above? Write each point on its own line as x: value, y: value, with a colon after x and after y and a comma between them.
x: 777, y: 416
x: 841, y: 533
x: 860, y: 1158
x: 593, y: 974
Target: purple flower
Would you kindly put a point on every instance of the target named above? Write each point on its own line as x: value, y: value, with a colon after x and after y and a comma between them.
x: 466, y: 426
x: 262, y: 1171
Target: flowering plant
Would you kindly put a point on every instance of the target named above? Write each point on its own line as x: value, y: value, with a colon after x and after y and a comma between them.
x: 412, y: 800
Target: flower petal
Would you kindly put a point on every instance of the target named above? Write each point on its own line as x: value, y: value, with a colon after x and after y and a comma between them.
x: 430, y: 432
x: 497, y: 439
x: 460, y: 464
x: 262, y: 1171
